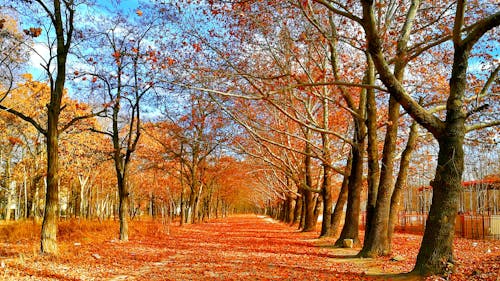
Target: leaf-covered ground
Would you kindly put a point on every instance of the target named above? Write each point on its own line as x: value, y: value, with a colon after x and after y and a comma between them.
x: 235, y: 248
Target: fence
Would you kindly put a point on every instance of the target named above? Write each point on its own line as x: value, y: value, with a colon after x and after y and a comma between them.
x: 472, y: 226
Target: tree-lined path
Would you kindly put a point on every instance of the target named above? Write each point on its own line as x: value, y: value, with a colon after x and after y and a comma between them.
x: 245, y: 247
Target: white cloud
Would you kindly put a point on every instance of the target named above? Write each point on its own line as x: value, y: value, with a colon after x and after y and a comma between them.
x: 39, y: 56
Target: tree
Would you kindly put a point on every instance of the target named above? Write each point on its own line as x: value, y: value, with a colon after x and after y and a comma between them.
x: 121, y: 72
x: 12, y: 57
x: 435, y: 255
x: 192, y: 137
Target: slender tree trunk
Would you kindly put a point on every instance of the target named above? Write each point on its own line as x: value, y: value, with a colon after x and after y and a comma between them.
x: 341, y: 200
x: 25, y: 185
x: 309, y: 218
x: 376, y: 241
x: 351, y: 222
x: 123, y: 208
x: 326, y: 224
x: 372, y: 147
x: 297, y: 211
x: 48, y: 243
x: 8, y: 184
x: 400, y: 185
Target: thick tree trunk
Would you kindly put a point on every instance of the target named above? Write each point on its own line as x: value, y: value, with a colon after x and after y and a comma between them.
x: 436, y: 255
x: 351, y: 222
x: 436, y: 251
x: 194, y: 204
x: 302, y: 210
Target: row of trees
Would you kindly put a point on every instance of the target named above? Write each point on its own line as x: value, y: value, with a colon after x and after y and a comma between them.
x: 114, y: 68
x: 258, y: 104
x: 305, y: 65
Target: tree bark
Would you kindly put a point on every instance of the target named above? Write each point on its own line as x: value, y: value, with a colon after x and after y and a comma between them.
x: 400, y: 185
x: 123, y: 207
x: 326, y: 192
x: 309, y: 217
x: 376, y: 241
x: 372, y: 147
x: 436, y: 251
x: 342, y: 199
x: 297, y: 211
x: 355, y: 182
x: 48, y: 243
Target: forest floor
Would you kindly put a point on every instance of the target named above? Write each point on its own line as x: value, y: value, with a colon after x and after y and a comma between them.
x: 236, y: 248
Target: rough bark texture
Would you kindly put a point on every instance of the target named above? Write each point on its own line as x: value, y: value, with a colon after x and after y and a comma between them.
x: 288, y: 209
x: 355, y: 184
x: 436, y: 252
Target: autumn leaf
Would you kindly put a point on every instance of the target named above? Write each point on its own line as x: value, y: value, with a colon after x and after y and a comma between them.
x: 197, y: 47
x: 33, y: 31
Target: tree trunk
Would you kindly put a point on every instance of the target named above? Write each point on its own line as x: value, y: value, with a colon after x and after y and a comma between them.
x: 297, y: 211
x: 376, y: 241
x: 351, y: 223
x: 48, y: 243
x: 182, y: 206
x: 288, y: 209
x: 400, y: 185
x: 326, y: 224
x: 355, y: 182
x: 8, y: 185
x: 123, y: 208
x: 25, y: 186
x: 341, y: 200
x: 309, y: 217
x: 372, y: 147
x: 302, y: 210
x: 436, y: 251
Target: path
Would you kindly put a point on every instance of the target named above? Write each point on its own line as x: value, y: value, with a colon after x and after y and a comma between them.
x: 249, y: 248
x: 235, y: 248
